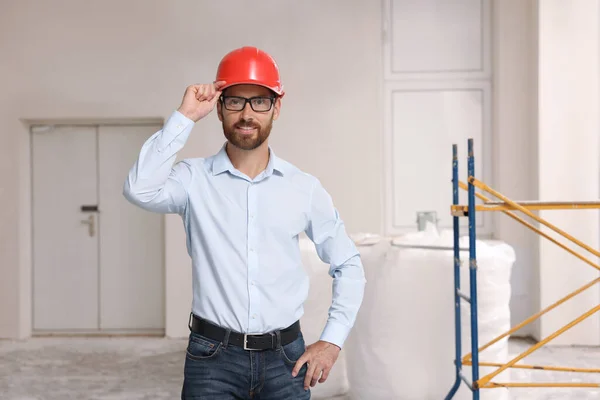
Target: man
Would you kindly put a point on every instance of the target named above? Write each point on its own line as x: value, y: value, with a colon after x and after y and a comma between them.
x: 243, y: 210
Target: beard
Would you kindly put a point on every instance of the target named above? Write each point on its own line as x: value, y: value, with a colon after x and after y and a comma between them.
x: 247, y: 142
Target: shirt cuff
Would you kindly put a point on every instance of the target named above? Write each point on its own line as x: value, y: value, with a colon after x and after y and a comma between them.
x: 174, y: 133
x: 335, y: 333
x: 177, y: 122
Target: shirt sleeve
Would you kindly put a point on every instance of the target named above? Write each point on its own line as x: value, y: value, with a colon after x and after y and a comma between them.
x: 334, y: 247
x: 153, y: 182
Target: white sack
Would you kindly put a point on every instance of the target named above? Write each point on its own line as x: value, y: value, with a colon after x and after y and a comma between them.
x: 494, y: 262
x: 315, y: 316
x: 402, y: 345
x: 369, y: 368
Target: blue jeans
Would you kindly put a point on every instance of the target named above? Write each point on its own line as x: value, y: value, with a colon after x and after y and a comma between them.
x: 220, y: 371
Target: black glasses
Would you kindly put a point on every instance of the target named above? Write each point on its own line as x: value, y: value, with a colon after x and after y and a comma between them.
x: 258, y: 104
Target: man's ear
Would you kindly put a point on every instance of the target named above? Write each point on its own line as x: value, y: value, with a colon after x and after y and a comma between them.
x: 219, y: 111
x: 276, y: 108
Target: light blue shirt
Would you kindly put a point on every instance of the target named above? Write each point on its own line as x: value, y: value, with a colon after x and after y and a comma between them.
x: 242, y: 235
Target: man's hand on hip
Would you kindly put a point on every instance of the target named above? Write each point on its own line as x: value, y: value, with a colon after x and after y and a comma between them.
x: 320, y: 357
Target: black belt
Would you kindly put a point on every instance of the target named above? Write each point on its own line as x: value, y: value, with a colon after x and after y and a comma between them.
x: 248, y: 342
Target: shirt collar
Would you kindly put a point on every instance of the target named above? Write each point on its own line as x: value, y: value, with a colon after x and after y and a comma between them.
x: 222, y: 163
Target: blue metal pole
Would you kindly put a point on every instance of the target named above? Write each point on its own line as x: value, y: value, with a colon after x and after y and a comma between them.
x: 473, y: 272
x: 455, y: 226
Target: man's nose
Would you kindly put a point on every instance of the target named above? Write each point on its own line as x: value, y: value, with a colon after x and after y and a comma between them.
x: 247, y: 112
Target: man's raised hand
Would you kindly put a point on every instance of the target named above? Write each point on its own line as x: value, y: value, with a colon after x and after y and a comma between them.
x: 199, y: 100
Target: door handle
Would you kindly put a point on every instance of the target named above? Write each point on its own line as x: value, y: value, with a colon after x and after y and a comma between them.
x: 90, y: 222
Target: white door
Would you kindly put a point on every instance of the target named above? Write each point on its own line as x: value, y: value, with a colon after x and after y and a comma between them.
x: 65, y: 248
x: 97, y: 259
x: 131, y: 240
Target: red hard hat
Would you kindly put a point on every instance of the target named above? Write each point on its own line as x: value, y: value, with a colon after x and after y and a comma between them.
x: 249, y: 65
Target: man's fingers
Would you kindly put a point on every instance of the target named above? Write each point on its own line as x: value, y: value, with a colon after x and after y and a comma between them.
x: 309, y: 375
x: 213, y: 93
x: 206, y: 92
x: 215, y: 98
x: 199, y: 92
x: 216, y: 90
x: 315, y: 377
x: 324, y: 376
x: 299, y: 364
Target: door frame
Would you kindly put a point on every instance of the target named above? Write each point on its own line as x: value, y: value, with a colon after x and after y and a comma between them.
x: 38, y: 126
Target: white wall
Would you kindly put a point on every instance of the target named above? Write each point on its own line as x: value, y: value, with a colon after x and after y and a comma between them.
x: 546, y: 147
x: 109, y: 59
x: 569, y: 154
x: 515, y: 141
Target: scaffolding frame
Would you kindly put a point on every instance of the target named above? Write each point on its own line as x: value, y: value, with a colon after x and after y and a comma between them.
x: 506, y: 206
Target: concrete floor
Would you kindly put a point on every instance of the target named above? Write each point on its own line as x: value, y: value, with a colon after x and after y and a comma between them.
x: 580, y: 357
x: 150, y: 368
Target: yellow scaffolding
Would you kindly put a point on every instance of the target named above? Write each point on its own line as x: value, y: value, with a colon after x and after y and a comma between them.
x: 507, y: 206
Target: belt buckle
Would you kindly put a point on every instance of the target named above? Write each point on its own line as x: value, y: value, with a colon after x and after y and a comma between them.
x: 246, y: 343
